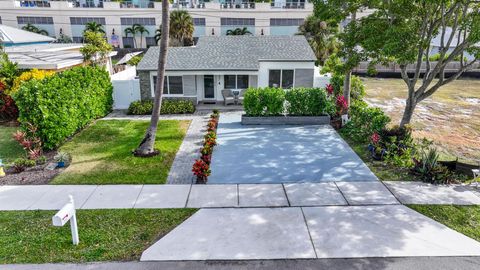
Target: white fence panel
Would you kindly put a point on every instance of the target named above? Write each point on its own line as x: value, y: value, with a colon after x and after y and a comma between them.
x: 125, y: 92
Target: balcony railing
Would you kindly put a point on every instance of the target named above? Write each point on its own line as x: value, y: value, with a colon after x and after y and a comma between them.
x: 33, y: 4
x: 137, y: 4
x: 288, y: 5
x: 88, y: 4
x: 187, y: 4
x: 237, y: 5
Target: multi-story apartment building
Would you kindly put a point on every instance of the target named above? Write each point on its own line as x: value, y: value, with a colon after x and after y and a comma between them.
x: 278, y: 17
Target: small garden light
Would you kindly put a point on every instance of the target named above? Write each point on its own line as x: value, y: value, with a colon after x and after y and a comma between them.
x: 2, y: 172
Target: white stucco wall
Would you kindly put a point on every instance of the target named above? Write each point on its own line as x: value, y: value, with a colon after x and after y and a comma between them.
x: 266, y: 66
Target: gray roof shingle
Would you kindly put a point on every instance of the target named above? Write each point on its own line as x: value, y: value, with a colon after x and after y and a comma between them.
x: 231, y: 53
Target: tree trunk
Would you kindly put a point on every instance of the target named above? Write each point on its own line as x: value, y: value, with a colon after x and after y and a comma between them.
x: 347, y: 84
x: 408, y: 112
x: 146, y: 147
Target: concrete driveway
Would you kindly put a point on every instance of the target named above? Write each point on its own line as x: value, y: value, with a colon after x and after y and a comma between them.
x: 282, y: 154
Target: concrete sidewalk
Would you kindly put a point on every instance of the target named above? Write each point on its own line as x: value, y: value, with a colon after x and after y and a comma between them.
x: 51, y: 197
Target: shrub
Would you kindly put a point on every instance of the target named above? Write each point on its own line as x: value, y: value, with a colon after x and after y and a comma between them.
x: 134, y: 60
x: 266, y: 101
x: 309, y: 102
x: 399, y: 145
x: 8, y: 108
x: 27, y: 76
x: 20, y: 164
x: 60, y: 105
x: 364, y: 121
x: 169, y: 106
x: 428, y: 169
x: 357, y: 91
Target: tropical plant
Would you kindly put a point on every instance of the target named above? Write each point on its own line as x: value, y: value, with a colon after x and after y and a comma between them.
x: 238, y: 32
x: 26, y: 76
x: 134, y: 60
x: 63, y: 39
x: 320, y: 37
x: 96, y: 48
x: 29, y: 140
x: 181, y: 27
x: 131, y: 31
x: 94, y: 27
x: 8, y: 71
x: 139, y: 28
x: 32, y: 28
x: 158, y: 34
x: 146, y: 146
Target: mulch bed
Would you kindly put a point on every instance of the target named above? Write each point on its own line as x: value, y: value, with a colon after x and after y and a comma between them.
x: 36, y: 175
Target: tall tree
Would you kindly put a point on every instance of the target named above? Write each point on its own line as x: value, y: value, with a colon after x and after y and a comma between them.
x: 402, y: 32
x: 320, y: 37
x: 147, y: 145
x: 139, y: 28
x: 94, y: 27
x: 181, y: 27
x: 238, y: 32
x: 96, y: 48
x: 32, y: 28
x: 131, y: 31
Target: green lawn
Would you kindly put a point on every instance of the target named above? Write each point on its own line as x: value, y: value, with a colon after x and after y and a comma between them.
x: 113, y: 235
x: 102, y: 153
x: 464, y: 219
x: 9, y: 149
x: 382, y: 170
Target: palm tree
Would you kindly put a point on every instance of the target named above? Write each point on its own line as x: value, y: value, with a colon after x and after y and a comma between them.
x: 138, y: 28
x: 320, y: 37
x: 158, y: 34
x: 94, y: 27
x: 238, y: 32
x: 32, y: 28
x: 130, y: 30
x: 146, y: 147
x: 181, y: 26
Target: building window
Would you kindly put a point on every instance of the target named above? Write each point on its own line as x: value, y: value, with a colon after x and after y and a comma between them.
x: 85, y: 20
x: 77, y: 39
x: 34, y: 20
x: 150, y: 41
x: 128, y: 42
x: 199, y: 21
x: 286, y: 22
x: 142, y: 21
x: 237, y: 21
x: 236, y: 81
x: 172, y: 85
x: 281, y: 78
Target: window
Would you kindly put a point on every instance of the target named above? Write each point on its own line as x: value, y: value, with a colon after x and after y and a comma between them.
x: 199, y: 21
x: 85, y: 20
x: 286, y: 22
x: 142, y: 21
x: 172, y: 85
x: 281, y: 78
x: 236, y: 81
x: 128, y: 42
x: 150, y: 41
x: 77, y: 39
x: 34, y: 20
x: 237, y: 21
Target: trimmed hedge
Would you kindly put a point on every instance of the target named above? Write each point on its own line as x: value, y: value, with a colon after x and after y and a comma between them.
x: 62, y: 104
x: 169, y: 106
x: 309, y: 102
x: 295, y: 102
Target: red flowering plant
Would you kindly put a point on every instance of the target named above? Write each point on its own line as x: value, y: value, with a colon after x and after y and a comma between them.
x: 342, y: 104
x: 30, y: 142
x: 375, y: 138
x: 330, y: 89
x: 8, y: 108
x: 207, y: 158
x: 202, y: 170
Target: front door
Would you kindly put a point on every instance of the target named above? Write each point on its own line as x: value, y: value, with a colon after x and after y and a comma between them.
x: 208, y: 87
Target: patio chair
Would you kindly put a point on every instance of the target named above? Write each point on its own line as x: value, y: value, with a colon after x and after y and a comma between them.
x: 240, y: 96
x: 228, y: 97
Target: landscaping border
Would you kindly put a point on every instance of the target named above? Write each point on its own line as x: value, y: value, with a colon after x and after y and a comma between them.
x: 285, y: 120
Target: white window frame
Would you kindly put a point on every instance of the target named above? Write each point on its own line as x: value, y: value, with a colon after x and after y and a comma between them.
x: 152, y: 77
x: 281, y: 76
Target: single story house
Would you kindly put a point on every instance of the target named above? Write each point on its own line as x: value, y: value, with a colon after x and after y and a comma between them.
x: 216, y: 63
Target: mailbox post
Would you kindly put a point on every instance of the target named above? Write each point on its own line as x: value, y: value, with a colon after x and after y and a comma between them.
x: 67, y: 213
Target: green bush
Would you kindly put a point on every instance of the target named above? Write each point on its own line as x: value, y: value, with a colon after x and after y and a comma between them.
x: 62, y: 104
x: 267, y: 101
x: 357, y: 91
x: 364, y: 121
x: 309, y: 102
x: 169, y: 106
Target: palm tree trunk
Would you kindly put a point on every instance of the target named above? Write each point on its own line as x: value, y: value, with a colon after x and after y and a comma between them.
x: 141, y: 40
x: 146, y: 147
x: 347, y: 85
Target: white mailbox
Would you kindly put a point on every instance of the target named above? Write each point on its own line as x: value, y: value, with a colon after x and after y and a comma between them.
x: 67, y: 213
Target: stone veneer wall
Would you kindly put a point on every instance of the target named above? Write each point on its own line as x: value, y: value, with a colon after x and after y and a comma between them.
x: 145, y: 88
